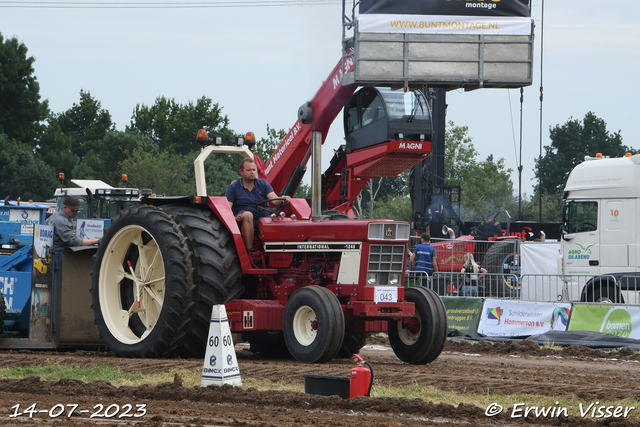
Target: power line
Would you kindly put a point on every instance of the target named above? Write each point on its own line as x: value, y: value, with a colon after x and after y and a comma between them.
x: 161, y: 5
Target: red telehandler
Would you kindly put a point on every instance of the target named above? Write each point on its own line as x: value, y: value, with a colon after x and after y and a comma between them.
x: 317, y: 282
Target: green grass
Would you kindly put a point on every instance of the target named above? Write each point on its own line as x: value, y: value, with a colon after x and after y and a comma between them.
x: 192, y: 377
x: 115, y: 376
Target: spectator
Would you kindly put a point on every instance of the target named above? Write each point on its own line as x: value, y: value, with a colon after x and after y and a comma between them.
x: 471, y: 277
x: 62, y: 222
x: 424, y: 258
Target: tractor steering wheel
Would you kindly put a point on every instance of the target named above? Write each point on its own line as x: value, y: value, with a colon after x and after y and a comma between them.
x: 264, y: 205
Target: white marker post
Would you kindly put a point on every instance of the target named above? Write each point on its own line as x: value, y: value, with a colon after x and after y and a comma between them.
x: 220, y: 362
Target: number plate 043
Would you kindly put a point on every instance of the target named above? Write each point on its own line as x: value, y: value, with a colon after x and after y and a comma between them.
x: 386, y: 294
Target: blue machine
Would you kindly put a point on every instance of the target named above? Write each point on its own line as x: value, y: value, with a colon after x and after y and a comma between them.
x: 16, y: 262
x: 60, y: 315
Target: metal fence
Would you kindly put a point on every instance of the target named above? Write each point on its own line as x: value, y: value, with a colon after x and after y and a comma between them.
x: 504, y: 278
x: 532, y: 287
x: 485, y: 285
x: 499, y: 256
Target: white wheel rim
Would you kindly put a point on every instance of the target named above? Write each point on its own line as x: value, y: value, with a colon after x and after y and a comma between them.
x: 305, y: 325
x: 148, y: 277
x: 406, y: 336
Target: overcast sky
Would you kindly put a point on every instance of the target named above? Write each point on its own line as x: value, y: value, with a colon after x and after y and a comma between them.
x: 261, y: 63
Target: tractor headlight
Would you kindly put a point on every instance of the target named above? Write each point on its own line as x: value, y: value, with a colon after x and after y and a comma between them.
x: 394, y: 279
x: 372, y: 279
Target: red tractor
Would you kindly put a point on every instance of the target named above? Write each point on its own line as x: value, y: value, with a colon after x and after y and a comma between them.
x: 316, y: 283
x: 498, y: 255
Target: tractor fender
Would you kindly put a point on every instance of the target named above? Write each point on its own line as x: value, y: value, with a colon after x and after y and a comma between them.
x: 220, y: 207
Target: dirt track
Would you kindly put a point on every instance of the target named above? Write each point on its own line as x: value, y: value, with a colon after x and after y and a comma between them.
x: 577, y: 373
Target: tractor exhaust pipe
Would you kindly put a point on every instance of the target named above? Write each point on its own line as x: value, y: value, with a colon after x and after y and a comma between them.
x: 316, y: 175
x: 446, y: 230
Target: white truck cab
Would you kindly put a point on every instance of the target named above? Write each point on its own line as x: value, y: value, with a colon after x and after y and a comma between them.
x: 599, y: 237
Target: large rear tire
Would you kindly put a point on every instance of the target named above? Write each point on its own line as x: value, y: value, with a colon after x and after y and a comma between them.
x: 421, y: 339
x: 313, y: 325
x: 502, y: 261
x: 142, y: 284
x: 217, y: 270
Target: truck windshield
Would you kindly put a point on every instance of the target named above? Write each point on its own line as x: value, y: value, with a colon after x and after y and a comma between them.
x: 580, y: 217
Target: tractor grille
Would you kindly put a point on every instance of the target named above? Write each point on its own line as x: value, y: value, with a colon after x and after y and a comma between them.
x: 384, y: 260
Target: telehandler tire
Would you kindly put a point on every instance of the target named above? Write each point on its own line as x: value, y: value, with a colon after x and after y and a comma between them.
x: 217, y: 273
x: 422, y: 339
x: 142, y: 284
x: 313, y: 325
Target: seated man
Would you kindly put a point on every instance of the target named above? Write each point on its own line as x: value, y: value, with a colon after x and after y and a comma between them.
x: 62, y: 222
x: 243, y: 195
x: 489, y: 228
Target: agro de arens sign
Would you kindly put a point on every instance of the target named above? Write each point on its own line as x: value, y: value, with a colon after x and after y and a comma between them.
x: 445, y: 16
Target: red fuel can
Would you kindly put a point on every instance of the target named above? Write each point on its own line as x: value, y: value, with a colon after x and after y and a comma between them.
x: 360, y: 379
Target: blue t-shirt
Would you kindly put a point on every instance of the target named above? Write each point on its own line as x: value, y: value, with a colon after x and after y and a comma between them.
x: 425, y: 255
x: 245, y: 200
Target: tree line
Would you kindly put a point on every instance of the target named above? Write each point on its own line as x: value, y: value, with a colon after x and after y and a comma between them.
x: 157, y: 149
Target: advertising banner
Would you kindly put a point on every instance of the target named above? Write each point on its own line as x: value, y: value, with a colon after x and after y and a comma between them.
x: 447, y: 7
x: 41, y: 284
x: 616, y: 320
x: 463, y: 314
x: 91, y: 228
x: 26, y: 217
x: 445, y: 17
x: 538, y: 266
x: 437, y: 24
x: 507, y: 318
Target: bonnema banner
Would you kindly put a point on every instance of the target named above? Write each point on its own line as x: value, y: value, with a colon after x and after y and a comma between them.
x: 445, y: 16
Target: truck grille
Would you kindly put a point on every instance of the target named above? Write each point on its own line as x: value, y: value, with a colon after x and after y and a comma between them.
x: 386, y: 259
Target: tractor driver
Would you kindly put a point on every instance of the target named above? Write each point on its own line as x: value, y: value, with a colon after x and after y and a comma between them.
x: 243, y: 195
x: 62, y: 222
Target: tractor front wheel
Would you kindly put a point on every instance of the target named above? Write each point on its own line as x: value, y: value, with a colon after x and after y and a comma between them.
x: 313, y: 325
x: 420, y: 339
